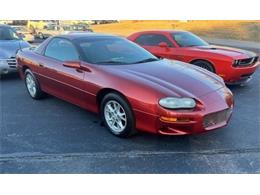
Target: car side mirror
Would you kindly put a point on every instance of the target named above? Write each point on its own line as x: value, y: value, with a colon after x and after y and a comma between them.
x: 72, y: 64
x: 163, y: 45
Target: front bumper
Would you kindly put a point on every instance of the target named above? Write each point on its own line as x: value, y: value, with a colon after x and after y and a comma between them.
x: 8, y: 66
x: 239, y: 75
x: 195, y: 122
x: 213, y: 111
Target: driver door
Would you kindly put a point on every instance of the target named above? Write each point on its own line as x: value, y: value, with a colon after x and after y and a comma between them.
x: 64, y: 82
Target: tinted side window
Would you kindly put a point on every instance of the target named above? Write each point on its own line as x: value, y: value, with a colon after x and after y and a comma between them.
x: 61, y: 49
x: 186, y: 39
x: 152, y: 40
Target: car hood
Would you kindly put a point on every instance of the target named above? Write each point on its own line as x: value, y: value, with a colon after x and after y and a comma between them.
x: 172, y: 78
x: 227, y: 51
x: 9, y: 48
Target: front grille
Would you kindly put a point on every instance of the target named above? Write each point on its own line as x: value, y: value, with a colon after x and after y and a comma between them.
x: 245, y: 62
x: 216, y: 118
x: 12, y: 62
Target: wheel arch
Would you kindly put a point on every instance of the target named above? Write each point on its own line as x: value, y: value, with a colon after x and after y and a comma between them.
x: 103, y: 92
x: 205, y: 60
x: 22, y: 71
x: 24, y: 68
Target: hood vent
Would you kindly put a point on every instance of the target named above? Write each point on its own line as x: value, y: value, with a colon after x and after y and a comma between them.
x: 208, y: 48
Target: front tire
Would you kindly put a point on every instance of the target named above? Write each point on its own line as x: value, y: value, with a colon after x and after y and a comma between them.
x: 32, y: 85
x: 204, y: 64
x: 117, y: 115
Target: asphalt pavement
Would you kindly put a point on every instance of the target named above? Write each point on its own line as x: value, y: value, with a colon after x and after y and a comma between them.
x: 53, y: 136
x: 247, y: 45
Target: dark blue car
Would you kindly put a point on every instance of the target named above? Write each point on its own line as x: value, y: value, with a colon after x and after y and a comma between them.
x: 10, y: 43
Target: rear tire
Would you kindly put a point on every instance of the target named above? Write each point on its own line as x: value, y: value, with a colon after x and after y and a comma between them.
x: 32, y: 85
x: 204, y: 64
x: 117, y: 115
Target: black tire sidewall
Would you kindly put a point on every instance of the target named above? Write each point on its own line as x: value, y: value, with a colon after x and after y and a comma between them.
x: 130, y: 127
x: 203, y: 64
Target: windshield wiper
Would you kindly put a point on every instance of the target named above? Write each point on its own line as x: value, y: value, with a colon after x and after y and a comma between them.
x: 147, y: 60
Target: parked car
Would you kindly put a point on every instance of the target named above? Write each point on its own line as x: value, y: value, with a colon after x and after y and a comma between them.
x: 235, y: 66
x: 39, y: 24
x: 53, y: 29
x: 25, y: 33
x: 10, y: 43
x: 81, y: 27
x: 49, y: 30
x: 128, y: 86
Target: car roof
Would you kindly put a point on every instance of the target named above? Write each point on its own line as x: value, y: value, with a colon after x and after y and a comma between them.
x: 80, y: 35
x: 5, y: 26
x: 161, y: 31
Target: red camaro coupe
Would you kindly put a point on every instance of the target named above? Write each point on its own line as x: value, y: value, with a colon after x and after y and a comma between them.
x: 235, y: 66
x: 128, y: 86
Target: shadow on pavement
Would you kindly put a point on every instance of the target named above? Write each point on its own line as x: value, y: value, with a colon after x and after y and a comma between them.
x: 10, y: 76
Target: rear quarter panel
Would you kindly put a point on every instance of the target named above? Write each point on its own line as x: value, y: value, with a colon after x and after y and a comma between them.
x: 27, y: 59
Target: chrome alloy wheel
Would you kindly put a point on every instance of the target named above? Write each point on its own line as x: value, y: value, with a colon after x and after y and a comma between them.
x: 30, y: 84
x: 115, y: 116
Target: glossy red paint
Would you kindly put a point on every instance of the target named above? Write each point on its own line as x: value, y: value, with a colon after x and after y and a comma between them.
x: 142, y: 85
x: 221, y: 58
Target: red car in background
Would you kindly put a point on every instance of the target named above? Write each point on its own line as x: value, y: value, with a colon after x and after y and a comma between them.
x: 128, y: 86
x: 235, y: 66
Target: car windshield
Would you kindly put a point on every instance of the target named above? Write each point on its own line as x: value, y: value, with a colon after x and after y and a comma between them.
x: 112, y: 50
x: 8, y: 34
x: 187, y: 39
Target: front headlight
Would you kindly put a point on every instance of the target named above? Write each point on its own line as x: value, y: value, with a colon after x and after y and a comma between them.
x: 177, y: 103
